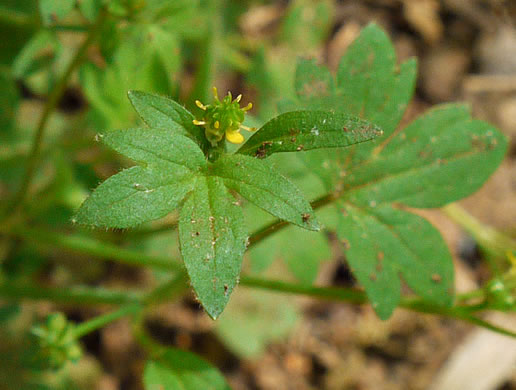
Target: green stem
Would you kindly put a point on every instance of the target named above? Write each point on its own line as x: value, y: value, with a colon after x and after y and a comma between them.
x: 342, y: 294
x: 89, y: 246
x: 326, y: 293
x: 279, y: 224
x: 102, y: 320
x: 51, y: 104
x: 164, y: 292
x: 73, y: 295
x: 463, y: 313
x: 484, y: 324
x: 491, y: 240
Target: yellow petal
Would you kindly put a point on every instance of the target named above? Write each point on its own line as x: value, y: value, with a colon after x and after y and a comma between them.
x: 234, y: 137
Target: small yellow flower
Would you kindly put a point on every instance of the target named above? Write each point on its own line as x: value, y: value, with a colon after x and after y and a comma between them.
x: 223, y: 118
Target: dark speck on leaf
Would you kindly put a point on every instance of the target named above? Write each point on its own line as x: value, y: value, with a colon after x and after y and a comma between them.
x: 436, y: 278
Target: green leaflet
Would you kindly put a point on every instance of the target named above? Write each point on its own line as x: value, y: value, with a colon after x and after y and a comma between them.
x: 213, y: 240
x: 306, y: 130
x: 182, y: 370
x: 383, y: 243
x: 134, y: 196
x: 369, y: 85
x: 441, y: 157
x: 262, y: 185
x: 161, y: 112
x: 141, y: 194
x: 155, y: 147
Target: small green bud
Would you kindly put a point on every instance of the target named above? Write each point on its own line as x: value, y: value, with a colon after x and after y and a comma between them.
x: 498, y: 295
x: 56, y: 341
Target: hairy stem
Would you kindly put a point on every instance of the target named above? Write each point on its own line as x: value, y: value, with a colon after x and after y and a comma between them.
x: 464, y: 313
x: 490, y: 239
x: 70, y: 295
x: 102, y: 320
x: 90, y: 246
x: 278, y: 225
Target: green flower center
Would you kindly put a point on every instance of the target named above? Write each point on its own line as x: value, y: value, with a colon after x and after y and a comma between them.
x: 223, y: 117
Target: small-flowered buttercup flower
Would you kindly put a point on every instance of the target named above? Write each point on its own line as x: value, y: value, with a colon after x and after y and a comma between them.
x: 223, y: 118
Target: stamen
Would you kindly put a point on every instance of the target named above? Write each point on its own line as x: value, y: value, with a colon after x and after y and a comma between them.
x: 238, y: 98
x: 200, y: 105
x: 215, y: 93
x: 230, y: 96
x: 198, y: 123
x: 216, y: 124
x: 248, y: 128
x: 248, y: 107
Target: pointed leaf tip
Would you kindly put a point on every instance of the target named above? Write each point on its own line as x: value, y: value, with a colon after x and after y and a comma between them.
x: 213, y: 240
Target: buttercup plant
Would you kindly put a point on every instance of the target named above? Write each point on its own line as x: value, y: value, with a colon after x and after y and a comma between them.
x: 177, y: 173
x: 334, y: 167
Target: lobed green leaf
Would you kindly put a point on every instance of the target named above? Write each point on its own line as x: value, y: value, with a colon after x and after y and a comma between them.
x: 441, y: 157
x: 213, y: 240
x: 136, y: 195
x: 370, y: 83
x: 262, y: 185
x: 306, y: 130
